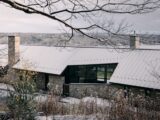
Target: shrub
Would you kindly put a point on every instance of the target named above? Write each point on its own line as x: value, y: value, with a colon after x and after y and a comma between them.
x: 21, y: 102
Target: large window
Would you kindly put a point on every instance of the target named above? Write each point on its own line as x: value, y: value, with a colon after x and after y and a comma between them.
x: 101, y: 77
x: 110, y: 69
x: 89, y: 73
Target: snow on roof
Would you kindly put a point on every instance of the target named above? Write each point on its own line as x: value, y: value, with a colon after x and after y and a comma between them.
x: 137, y: 67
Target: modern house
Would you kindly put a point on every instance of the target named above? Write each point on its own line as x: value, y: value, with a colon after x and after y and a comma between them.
x: 89, y: 69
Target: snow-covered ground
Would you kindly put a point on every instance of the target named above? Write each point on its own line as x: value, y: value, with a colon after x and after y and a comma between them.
x: 73, y: 101
x: 44, y: 118
x: 68, y: 117
x: 41, y: 98
x: 98, y: 101
x: 4, y: 91
x: 70, y: 100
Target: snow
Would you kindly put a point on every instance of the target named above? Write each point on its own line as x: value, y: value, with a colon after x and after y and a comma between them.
x: 4, y: 93
x: 41, y: 98
x: 98, y: 101
x: 4, y: 90
x: 45, y: 118
x: 67, y: 117
x: 74, y: 117
x: 6, y: 87
x: 67, y: 100
x: 70, y: 100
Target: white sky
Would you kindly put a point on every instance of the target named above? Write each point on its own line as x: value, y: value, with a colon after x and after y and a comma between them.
x: 12, y: 20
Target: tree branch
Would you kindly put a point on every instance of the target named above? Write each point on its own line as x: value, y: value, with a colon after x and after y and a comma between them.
x: 86, y: 11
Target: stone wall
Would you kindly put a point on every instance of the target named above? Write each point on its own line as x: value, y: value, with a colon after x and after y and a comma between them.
x: 56, y: 84
x: 80, y: 90
x: 40, y: 81
x: 137, y: 91
x: 91, y: 89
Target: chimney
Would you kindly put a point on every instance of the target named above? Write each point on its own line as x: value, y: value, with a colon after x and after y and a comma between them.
x: 134, y: 41
x: 13, y: 50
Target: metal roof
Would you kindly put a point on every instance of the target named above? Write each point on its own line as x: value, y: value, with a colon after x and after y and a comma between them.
x: 85, y: 56
x: 44, y: 59
x: 139, y: 67
x: 55, y: 59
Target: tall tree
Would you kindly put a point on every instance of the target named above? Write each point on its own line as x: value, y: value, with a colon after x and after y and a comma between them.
x: 85, y: 16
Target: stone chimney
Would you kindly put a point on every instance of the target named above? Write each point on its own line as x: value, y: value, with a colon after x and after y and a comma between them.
x: 13, y: 50
x: 134, y: 41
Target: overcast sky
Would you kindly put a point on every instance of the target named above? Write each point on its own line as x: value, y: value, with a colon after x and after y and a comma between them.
x: 12, y: 20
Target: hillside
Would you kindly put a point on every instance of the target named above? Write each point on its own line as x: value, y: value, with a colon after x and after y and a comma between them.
x: 78, y: 40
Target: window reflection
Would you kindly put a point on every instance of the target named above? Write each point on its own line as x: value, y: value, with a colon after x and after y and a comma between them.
x: 90, y: 73
x: 101, y: 73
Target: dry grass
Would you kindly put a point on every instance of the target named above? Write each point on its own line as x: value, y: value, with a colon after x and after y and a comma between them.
x: 120, y: 109
x: 54, y: 107
x: 3, y: 107
x: 5, y: 80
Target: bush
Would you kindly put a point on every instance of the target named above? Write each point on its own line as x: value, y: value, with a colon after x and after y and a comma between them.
x: 21, y: 102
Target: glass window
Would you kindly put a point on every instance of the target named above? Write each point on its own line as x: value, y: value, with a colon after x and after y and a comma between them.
x: 110, y: 70
x: 101, y: 73
x: 90, y: 73
x: 73, y: 74
x: 81, y: 74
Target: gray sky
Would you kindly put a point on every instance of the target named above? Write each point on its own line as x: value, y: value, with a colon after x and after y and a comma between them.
x: 12, y: 20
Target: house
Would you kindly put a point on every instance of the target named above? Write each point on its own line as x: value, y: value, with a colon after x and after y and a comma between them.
x: 88, y: 70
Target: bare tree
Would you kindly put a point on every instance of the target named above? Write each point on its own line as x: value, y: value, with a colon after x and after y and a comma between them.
x: 88, y: 13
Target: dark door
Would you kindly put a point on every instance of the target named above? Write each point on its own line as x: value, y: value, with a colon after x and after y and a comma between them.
x: 66, y: 89
x: 46, y: 82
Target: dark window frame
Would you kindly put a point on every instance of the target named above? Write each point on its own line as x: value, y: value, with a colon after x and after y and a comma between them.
x: 75, y: 72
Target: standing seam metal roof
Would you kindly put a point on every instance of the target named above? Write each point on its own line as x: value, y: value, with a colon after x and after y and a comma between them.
x: 138, y: 67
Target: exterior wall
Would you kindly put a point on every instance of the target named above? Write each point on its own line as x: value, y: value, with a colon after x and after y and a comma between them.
x: 10, y: 76
x: 13, y: 50
x: 55, y: 84
x: 91, y: 89
x: 111, y: 91
x: 134, y: 42
x: 145, y: 92
x: 40, y: 81
x: 137, y: 91
x: 13, y: 57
